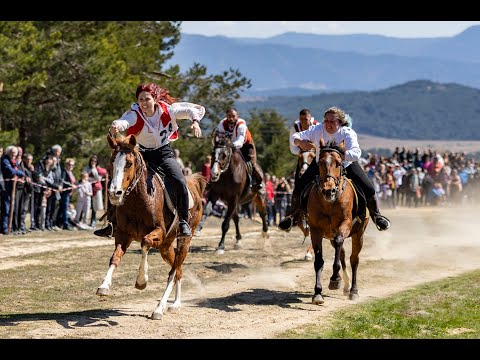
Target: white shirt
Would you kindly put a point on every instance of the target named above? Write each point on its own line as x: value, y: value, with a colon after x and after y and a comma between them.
x: 155, y: 133
x: 315, y: 132
x: 237, y: 135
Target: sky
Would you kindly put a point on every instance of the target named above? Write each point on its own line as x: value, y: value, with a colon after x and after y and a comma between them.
x: 264, y: 29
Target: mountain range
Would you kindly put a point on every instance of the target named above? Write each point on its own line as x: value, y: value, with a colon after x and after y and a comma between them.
x: 304, y: 64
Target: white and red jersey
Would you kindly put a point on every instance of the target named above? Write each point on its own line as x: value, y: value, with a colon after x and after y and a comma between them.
x: 239, y: 134
x: 297, y: 127
x: 159, y: 129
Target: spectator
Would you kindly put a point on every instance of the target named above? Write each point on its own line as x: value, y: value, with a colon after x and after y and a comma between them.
x: 96, y: 174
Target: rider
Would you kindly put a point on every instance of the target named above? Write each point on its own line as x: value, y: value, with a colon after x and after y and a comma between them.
x: 304, y: 121
x: 153, y: 120
x: 336, y: 127
x: 236, y: 128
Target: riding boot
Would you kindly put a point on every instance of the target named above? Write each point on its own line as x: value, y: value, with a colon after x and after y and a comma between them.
x: 184, y: 230
x: 257, y: 179
x: 111, y: 228
x: 295, y: 212
x: 380, y: 221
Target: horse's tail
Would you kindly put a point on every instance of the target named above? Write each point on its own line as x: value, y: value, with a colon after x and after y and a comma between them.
x: 199, y: 181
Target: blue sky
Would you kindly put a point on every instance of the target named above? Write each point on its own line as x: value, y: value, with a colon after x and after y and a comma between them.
x: 263, y: 29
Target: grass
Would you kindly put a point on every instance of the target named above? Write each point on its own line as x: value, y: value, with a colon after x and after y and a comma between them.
x: 445, y: 309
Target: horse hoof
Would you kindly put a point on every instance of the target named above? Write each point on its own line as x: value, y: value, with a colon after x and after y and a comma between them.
x: 308, y: 257
x: 346, y: 292
x: 157, y: 316
x: 140, y: 287
x: 353, y: 296
x: 317, y: 299
x: 173, y: 309
x: 238, y: 245
x: 334, y: 285
x: 103, y: 291
x: 219, y: 252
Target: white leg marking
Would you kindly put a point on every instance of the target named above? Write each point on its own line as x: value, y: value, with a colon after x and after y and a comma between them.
x: 142, y: 277
x: 107, y: 281
x: 162, y: 305
x: 178, y: 301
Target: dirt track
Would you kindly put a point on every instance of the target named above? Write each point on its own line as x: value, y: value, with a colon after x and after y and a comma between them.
x: 266, y: 287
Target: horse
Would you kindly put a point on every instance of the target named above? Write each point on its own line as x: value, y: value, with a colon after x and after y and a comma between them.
x: 305, y: 158
x: 145, y: 214
x: 229, y: 182
x: 331, y: 203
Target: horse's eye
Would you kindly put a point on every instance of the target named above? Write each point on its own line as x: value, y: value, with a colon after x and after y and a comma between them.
x: 128, y: 165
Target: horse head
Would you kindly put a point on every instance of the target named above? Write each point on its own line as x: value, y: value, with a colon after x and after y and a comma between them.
x: 127, y: 167
x: 330, y: 163
x: 221, y: 155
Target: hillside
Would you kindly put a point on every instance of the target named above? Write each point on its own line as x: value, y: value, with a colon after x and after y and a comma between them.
x: 335, y: 62
x: 416, y: 110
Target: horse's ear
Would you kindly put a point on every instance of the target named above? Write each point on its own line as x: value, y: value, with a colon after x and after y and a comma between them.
x: 111, y: 141
x: 131, y: 140
x: 322, y: 142
x: 342, y: 146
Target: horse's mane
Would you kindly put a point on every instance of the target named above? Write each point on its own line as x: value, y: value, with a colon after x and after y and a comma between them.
x: 333, y: 145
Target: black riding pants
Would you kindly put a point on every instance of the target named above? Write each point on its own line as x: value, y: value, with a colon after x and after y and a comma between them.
x: 164, y: 158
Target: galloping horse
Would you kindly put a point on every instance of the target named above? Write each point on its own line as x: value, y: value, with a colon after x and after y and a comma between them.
x: 229, y: 183
x: 145, y: 214
x: 331, y: 208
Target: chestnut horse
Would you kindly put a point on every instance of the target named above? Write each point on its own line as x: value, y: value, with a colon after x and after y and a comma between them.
x: 145, y: 215
x: 331, y: 203
x: 229, y: 183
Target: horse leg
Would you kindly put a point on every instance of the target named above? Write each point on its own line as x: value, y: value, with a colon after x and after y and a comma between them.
x: 346, y: 276
x: 121, y: 245
x: 180, y: 255
x: 335, y: 279
x: 310, y: 253
x: 236, y: 219
x: 168, y: 254
x: 317, y: 237
x: 146, y: 244
x: 357, y: 244
x: 225, y: 226
x: 262, y: 210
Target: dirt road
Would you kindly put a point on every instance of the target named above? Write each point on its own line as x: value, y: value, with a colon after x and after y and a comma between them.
x: 266, y: 287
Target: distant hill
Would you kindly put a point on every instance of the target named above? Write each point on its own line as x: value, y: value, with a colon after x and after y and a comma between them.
x: 293, y: 61
x: 416, y: 110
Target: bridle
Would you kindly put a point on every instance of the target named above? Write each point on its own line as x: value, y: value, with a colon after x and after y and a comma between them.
x: 139, y: 167
x: 337, y: 181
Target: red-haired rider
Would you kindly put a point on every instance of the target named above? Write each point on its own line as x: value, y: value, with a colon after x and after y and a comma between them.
x: 236, y: 128
x: 153, y: 121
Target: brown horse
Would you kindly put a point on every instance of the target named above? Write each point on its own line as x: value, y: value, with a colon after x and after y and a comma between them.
x: 230, y: 183
x: 330, y: 215
x: 146, y: 215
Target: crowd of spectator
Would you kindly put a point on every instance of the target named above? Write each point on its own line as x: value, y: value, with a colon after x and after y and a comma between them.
x: 38, y: 195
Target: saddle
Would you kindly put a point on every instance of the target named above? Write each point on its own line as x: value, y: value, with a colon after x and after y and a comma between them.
x: 359, y: 210
x: 169, y: 191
